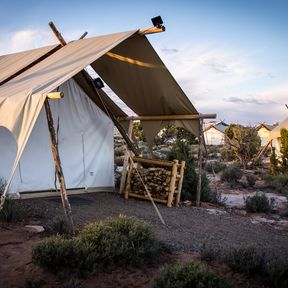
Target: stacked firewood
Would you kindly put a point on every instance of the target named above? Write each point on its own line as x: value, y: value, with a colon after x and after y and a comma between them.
x: 157, y: 181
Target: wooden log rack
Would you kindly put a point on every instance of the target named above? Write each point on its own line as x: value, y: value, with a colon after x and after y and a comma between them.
x: 172, y: 172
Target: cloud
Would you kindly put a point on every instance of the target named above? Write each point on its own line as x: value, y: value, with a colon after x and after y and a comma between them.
x: 250, y: 100
x: 24, y: 40
x: 169, y: 50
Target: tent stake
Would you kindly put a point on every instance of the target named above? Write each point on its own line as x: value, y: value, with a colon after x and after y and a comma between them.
x: 200, y: 158
x: 58, y: 167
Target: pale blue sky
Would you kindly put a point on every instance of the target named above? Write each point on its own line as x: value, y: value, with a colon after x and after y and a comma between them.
x: 229, y: 56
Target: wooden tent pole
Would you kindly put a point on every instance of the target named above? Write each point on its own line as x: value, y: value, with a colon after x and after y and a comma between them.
x: 262, y: 151
x: 200, y: 159
x: 126, y: 160
x: 90, y: 82
x: 58, y: 167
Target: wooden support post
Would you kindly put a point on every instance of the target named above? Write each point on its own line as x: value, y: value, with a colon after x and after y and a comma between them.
x: 200, y: 158
x: 90, y: 82
x: 128, y: 188
x: 126, y: 160
x: 180, y: 183
x: 172, y: 183
x: 58, y: 167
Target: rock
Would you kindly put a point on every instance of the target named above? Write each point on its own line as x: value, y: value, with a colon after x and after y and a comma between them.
x: 240, y: 212
x: 186, y: 203
x: 216, y: 211
x: 34, y: 228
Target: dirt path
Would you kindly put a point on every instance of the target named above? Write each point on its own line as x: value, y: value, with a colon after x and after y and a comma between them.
x: 187, y: 229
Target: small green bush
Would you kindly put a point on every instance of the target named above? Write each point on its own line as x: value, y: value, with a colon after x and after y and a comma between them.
x: 57, y: 253
x: 189, y: 275
x: 276, y: 272
x: 119, y: 151
x: 119, y: 161
x: 58, y: 225
x: 245, y: 259
x: 209, y: 253
x: 259, y: 203
x: 215, y: 166
x: 231, y: 174
x: 34, y: 283
x: 278, y: 182
x: 8, y: 213
x: 123, y: 240
x: 73, y: 283
x: 251, y: 180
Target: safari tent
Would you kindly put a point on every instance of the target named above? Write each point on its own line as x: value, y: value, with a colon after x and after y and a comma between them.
x: 274, y: 135
x: 84, y: 119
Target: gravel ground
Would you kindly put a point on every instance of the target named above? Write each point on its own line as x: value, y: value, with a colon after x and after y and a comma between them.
x: 187, y: 227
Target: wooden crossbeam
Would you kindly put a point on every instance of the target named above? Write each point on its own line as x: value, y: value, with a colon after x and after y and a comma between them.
x: 169, y: 117
x: 151, y: 30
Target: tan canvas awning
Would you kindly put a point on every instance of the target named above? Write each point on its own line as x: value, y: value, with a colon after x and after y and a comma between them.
x: 22, y: 98
x: 135, y: 72
x: 12, y: 63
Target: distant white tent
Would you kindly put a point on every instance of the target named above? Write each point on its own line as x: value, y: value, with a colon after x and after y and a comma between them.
x: 275, y: 135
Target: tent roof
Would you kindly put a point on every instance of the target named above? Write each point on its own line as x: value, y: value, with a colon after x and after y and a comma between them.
x: 275, y: 133
x: 135, y: 72
x: 13, y: 63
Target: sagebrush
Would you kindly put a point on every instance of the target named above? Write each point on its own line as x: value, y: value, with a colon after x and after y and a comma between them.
x: 259, y: 203
x: 189, y: 275
x: 122, y: 240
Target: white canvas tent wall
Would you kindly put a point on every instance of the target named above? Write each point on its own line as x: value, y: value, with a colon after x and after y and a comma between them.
x: 85, y: 142
x: 156, y: 91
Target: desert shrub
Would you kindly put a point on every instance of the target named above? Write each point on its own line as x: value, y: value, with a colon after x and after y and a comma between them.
x: 34, y: 283
x: 245, y: 259
x: 284, y: 149
x: 278, y: 182
x: 276, y: 272
x: 57, y: 253
x: 215, y: 166
x: 123, y: 240
x: 227, y: 154
x: 181, y: 151
x: 72, y: 283
x: 189, y: 275
x: 208, y: 252
x: 231, y: 174
x: 119, y: 161
x: 251, y: 180
x: 243, y: 141
x: 58, y: 225
x: 119, y: 151
x: 259, y: 203
x: 274, y: 163
x: 7, y: 214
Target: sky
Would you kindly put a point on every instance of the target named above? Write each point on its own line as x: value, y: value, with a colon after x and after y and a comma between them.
x: 229, y: 56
